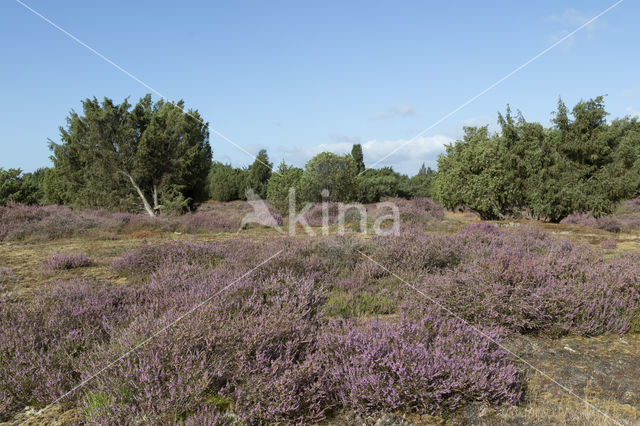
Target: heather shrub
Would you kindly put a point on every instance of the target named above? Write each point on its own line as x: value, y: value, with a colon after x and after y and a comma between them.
x: 415, y: 212
x: 427, y: 365
x: 58, y: 261
x: 528, y: 282
x: 629, y: 206
x: 629, y: 221
x: 249, y: 344
x: 6, y: 275
x: 145, y: 259
x: 415, y: 251
x: 607, y: 223
x: 42, y: 338
x: 582, y: 219
x: 30, y: 222
x: 608, y: 244
x: 315, y: 214
x: 20, y: 221
x: 293, y: 340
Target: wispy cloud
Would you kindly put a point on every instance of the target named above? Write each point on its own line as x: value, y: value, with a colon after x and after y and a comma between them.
x: 629, y: 92
x: 566, y: 22
x: 394, y: 111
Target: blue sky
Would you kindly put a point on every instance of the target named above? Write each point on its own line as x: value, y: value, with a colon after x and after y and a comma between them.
x: 297, y: 78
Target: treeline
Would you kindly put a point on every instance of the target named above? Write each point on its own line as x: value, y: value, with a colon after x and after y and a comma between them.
x: 344, y: 177
x: 157, y: 156
x: 580, y: 164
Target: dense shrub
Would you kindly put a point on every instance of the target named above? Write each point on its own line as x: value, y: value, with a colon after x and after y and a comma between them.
x: 609, y: 223
x: 629, y: 206
x: 42, y: 338
x: 259, y: 173
x: 16, y: 187
x: 582, y: 163
x: 226, y: 183
x: 530, y: 283
x: 374, y: 184
x: 154, y: 155
x: 280, y: 183
x: 414, y: 365
x: 331, y: 172
x: 67, y: 261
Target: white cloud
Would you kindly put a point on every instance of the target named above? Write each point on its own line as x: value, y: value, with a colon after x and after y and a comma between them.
x: 406, y: 160
x: 394, y: 111
x: 629, y: 92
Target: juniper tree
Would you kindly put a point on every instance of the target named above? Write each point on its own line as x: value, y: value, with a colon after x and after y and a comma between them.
x: 111, y: 155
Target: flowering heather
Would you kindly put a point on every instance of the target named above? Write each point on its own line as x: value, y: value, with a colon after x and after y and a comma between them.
x: 293, y: 341
x: 414, y: 364
x: 19, y: 221
x: 608, y: 244
x: 149, y: 257
x: 42, y: 337
x: 67, y: 261
x: 529, y: 282
x: 30, y: 222
x: 314, y: 216
x: 610, y: 223
x: 582, y: 219
x: 629, y: 206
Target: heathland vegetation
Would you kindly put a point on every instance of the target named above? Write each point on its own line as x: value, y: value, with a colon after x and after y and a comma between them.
x: 129, y: 291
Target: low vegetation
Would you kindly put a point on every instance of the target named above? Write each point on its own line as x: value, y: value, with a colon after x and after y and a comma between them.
x: 281, y: 344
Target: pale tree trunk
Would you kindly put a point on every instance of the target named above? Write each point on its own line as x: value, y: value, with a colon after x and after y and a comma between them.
x: 156, y: 206
x: 145, y: 203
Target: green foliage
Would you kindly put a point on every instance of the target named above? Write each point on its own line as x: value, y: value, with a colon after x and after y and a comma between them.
x: 374, y: 184
x: 259, y: 173
x: 358, y: 157
x: 21, y: 188
x: 116, y: 157
x: 336, y: 173
x: 368, y: 302
x: 226, y: 183
x: 55, y: 188
x: 174, y: 202
x: 279, y: 184
x: 96, y: 403
x: 421, y: 185
x: 580, y: 164
x: 468, y: 174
